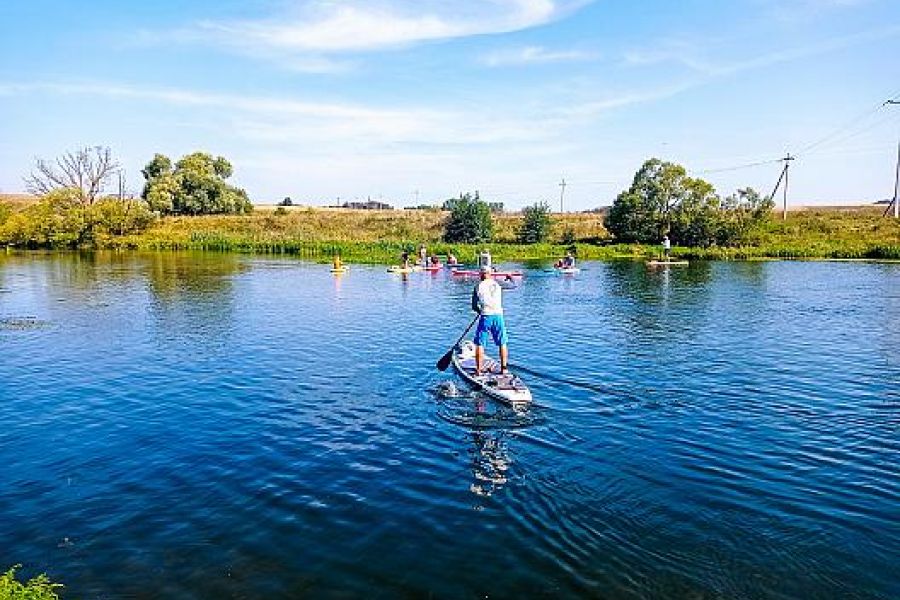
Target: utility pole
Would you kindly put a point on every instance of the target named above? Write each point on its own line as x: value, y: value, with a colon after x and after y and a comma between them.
x: 783, y: 177
x: 121, y: 186
x: 562, y: 193
x: 895, y: 202
x: 787, y: 163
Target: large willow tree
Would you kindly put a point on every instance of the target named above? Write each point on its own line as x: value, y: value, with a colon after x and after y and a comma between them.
x: 196, y: 185
x: 664, y: 200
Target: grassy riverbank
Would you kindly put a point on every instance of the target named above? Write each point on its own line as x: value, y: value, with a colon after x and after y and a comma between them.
x: 380, y: 236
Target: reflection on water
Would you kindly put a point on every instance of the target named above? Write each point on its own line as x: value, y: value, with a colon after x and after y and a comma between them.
x: 215, y: 426
x: 490, y: 458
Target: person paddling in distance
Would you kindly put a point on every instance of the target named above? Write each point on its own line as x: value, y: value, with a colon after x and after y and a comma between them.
x: 404, y: 259
x: 423, y: 255
x: 569, y: 261
x: 487, y: 301
x: 667, y: 247
x: 451, y: 259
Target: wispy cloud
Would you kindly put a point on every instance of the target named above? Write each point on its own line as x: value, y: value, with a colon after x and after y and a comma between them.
x: 311, y: 30
x: 282, y: 120
x: 675, y: 51
x: 531, y: 55
x: 800, y: 11
x: 695, y: 56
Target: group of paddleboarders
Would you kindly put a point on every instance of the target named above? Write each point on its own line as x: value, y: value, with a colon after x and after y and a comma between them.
x: 424, y: 260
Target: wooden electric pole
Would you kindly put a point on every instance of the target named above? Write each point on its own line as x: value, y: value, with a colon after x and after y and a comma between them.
x: 562, y: 193
x: 787, y: 163
x: 895, y: 202
x: 783, y: 177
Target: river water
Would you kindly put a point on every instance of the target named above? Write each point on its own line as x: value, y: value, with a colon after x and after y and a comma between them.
x: 224, y: 426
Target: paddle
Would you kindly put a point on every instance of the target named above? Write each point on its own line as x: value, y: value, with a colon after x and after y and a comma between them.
x: 444, y: 362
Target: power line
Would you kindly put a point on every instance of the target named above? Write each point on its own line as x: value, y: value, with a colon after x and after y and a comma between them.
x: 854, y: 134
x: 843, y: 128
x: 738, y: 167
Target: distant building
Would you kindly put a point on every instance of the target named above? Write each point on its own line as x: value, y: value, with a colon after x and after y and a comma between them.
x: 367, y: 205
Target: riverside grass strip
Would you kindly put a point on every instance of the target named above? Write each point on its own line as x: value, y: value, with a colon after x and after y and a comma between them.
x: 362, y: 236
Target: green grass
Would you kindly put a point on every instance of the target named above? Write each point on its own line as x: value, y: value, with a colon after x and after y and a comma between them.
x: 380, y: 236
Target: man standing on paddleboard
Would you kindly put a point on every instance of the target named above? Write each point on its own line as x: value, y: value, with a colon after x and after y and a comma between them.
x: 487, y: 301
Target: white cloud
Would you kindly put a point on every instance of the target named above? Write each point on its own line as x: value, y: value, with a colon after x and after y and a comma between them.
x: 283, y: 120
x: 695, y: 57
x: 529, y: 55
x: 314, y: 29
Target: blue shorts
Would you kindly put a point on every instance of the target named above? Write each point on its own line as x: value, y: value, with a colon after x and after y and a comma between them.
x: 494, y: 325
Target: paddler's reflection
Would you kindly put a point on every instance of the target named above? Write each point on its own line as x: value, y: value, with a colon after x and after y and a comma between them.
x: 490, y: 458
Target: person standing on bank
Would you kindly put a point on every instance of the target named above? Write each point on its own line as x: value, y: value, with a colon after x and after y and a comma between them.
x: 487, y: 301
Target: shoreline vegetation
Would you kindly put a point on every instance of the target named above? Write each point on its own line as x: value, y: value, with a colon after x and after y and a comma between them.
x: 188, y: 204
x: 379, y: 236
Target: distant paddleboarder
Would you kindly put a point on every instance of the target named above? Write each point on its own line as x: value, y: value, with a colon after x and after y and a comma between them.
x: 667, y: 246
x: 487, y: 301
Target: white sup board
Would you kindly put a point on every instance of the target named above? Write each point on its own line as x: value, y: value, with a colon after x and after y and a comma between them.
x: 507, y: 388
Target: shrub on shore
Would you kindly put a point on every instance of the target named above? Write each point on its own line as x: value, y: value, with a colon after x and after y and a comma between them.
x: 469, y: 222
x: 536, y: 224
x: 61, y: 219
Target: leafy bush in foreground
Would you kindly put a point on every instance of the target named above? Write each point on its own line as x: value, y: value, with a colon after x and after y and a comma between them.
x: 37, y: 588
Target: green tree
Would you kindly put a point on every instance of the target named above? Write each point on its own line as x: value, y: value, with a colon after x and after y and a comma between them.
x: 112, y: 216
x: 194, y: 186
x: 745, y: 211
x: 469, y: 222
x: 535, y: 225
x: 663, y: 199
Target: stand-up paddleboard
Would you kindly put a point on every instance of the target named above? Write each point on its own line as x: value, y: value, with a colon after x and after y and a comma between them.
x: 403, y: 270
x: 667, y: 263
x: 476, y: 273
x: 506, y: 388
x: 433, y: 268
x: 567, y: 270
x: 339, y: 270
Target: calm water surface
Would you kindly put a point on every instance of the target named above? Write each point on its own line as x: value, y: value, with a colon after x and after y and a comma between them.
x: 219, y: 426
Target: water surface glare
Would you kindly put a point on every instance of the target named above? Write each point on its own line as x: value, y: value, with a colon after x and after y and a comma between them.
x: 224, y: 426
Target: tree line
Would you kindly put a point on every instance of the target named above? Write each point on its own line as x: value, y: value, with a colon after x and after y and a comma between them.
x: 662, y: 200
x: 73, y: 209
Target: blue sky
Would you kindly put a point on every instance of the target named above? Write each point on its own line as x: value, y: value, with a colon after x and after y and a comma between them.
x: 319, y: 99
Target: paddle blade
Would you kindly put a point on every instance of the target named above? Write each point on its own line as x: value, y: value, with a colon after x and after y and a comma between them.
x: 444, y: 362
